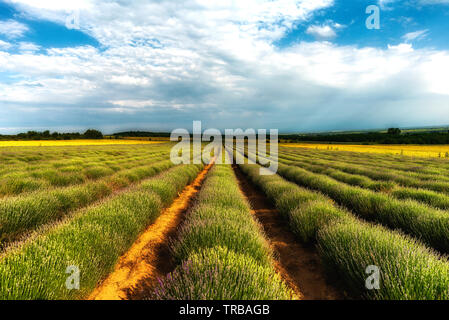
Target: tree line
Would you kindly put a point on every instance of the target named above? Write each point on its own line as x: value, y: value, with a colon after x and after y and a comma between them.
x: 47, y: 135
x: 141, y: 134
x: 392, y: 136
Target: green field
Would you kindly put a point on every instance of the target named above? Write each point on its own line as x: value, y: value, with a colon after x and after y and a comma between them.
x: 86, y: 206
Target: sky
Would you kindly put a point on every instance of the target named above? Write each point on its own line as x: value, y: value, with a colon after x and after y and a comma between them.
x: 157, y: 65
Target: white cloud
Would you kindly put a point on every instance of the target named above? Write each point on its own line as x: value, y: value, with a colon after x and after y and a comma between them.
x: 321, y: 32
x: 212, y: 60
x: 55, y: 5
x: 338, y: 26
x: 28, y: 47
x: 416, y: 35
x: 12, y: 29
x: 134, y: 103
x: 4, y: 45
x: 122, y: 20
x: 384, y: 4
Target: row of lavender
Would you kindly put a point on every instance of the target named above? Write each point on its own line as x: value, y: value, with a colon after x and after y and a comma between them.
x: 221, y: 250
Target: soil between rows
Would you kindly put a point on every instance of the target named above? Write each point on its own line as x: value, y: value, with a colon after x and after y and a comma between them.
x: 299, y: 265
x: 149, y: 258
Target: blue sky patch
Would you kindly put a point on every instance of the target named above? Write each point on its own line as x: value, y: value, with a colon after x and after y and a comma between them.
x: 45, y: 34
x: 396, y: 20
x: 163, y: 64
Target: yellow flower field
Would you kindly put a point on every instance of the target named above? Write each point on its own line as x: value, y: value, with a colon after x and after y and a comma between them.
x: 81, y: 142
x: 407, y: 150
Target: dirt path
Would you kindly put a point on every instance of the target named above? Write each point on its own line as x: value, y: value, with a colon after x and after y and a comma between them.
x: 300, y: 266
x: 149, y: 257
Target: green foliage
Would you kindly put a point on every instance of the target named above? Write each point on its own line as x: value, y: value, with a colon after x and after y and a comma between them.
x: 305, y: 210
x: 93, y: 134
x: 222, y: 274
x: 426, y: 223
x: 93, y: 241
x: 348, y: 246
x: 408, y: 270
x: 430, y: 197
x: 394, y: 136
x: 221, y: 218
x: 25, y: 213
x: 394, y: 131
x: 46, y: 135
x: 221, y: 249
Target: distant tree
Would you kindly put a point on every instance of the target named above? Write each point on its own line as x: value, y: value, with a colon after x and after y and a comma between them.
x: 395, y: 131
x: 93, y: 134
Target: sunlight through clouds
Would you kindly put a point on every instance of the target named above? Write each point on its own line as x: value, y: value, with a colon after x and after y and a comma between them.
x: 176, y: 61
